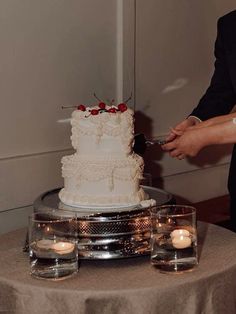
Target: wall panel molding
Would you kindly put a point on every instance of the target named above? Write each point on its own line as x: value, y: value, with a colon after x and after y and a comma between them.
x: 23, y: 179
x: 126, y: 50
x: 198, y: 185
x: 52, y: 55
x: 15, y: 219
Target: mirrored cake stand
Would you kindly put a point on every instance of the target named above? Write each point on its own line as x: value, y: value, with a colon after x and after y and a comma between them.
x: 106, y: 233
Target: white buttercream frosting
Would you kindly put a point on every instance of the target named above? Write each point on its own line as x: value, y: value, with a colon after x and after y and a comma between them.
x: 106, y: 127
x: 104, y: 171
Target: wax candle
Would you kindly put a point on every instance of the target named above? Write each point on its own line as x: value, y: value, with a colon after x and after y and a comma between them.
x: 181, y: 242
x: 63, y: 247
x: 179, y: 232
x: 45, y: 244
x: 60, y: 247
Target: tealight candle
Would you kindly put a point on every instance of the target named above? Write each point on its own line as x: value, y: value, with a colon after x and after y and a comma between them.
x: 181, y: 242
x: 180, y: 232
x: 63, y: 247
x: 45, y: 244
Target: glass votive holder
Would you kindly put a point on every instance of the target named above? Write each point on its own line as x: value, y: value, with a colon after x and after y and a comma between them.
x: 173, y: 238
x: 53, y: 249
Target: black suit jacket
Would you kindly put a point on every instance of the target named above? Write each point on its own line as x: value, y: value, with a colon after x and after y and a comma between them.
x: 220, y: 96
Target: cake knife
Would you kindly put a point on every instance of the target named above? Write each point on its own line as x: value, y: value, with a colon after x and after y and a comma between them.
x: 141, y: 143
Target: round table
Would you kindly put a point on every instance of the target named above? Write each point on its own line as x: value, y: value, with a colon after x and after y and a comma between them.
x: 124, y: 286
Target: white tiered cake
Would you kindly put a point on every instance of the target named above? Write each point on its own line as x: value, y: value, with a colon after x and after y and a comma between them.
x: 104, y: 171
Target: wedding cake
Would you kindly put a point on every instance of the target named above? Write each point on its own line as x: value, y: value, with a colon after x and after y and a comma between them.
x: 104, y: 171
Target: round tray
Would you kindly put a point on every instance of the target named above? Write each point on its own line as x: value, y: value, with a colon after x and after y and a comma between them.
x: 107, y: 233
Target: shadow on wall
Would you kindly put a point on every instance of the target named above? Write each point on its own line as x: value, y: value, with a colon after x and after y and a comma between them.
x: 144, y: 124
x: 211, y: 155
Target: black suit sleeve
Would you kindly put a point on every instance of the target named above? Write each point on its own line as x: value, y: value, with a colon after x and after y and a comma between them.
x: 220, y: 96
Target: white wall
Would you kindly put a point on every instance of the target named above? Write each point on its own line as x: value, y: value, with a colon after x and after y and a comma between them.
x: 174, y: 63
x: 52, y: 53
x: 60, y: 52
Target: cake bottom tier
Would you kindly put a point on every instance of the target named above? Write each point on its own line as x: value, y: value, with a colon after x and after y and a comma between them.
x: 72, y: 197
x: 110, y: 182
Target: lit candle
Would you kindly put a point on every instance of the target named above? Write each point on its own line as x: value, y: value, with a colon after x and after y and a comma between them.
x: 63, y: 247
x: 45, y: 244
x: 181, y: 242
x: 59, y: 247
x: 180, y: 232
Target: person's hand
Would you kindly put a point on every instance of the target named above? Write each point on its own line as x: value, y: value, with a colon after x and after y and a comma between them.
x: 189, y: 143
x: 177, y: 131
x: 181, y: 127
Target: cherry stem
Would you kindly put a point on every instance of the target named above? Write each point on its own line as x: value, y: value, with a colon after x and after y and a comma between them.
x: 96, y: 97
x: 112, y: 102
x: 130, y: 97
x: 67, y: 107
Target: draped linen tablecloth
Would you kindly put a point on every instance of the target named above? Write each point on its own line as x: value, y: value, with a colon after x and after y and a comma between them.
x: 124, y: 286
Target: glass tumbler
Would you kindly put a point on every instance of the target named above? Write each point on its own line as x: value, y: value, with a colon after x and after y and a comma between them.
x: 53, y: 247
x: 173, y: 238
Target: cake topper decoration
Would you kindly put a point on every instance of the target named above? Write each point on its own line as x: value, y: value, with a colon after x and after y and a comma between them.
x: 102, y: 107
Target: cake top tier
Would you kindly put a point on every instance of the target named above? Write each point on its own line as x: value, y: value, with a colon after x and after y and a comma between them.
x: 108, y: 130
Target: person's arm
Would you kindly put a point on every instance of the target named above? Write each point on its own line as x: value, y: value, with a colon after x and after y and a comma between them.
x: 196, y: 138
x: 215, y: 120
x: 220, y: 97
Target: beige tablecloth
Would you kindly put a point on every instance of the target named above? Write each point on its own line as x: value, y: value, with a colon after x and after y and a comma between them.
x: 124, y: 286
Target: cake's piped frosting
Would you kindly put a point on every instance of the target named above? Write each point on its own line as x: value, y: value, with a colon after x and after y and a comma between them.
x: 115, y: 125
x: 104, y: 171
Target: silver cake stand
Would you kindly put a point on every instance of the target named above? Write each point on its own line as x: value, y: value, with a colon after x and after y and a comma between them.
x: 107, y: 233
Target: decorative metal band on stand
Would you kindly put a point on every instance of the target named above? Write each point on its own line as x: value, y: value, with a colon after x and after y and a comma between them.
x: 106, y: 233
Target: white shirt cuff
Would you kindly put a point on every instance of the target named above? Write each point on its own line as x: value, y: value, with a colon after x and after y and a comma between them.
x: 196, y: 118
